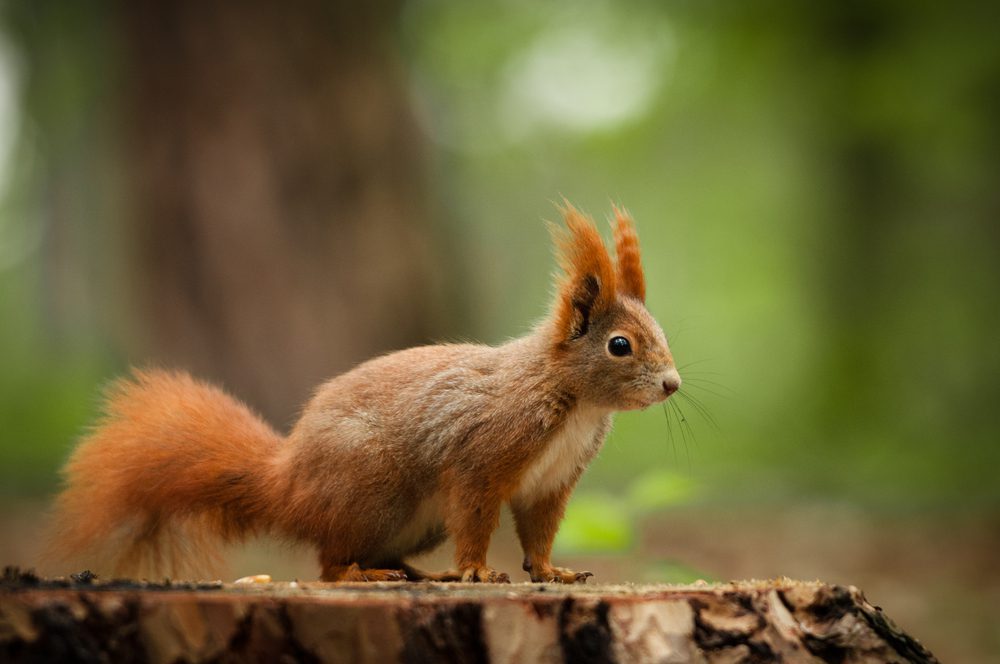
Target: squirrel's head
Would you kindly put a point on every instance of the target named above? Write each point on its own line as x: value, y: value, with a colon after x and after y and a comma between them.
x: 605, y: 342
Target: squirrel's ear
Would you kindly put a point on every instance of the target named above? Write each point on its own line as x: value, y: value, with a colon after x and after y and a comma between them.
x: 631, y: 280
x: 587, y: 288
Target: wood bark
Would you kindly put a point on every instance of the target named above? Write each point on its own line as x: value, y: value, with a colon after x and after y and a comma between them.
x: 758, y: 621
x: 276, y: 192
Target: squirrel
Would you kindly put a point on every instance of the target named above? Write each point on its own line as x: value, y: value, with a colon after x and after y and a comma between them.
x: 388, y: 459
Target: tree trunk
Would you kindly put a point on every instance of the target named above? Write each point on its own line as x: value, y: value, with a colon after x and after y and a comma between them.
x: 742, y: 622
x: 277, y: 192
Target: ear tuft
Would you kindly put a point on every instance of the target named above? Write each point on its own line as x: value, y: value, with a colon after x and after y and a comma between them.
x: 588, y: 284
x: 631, y: 280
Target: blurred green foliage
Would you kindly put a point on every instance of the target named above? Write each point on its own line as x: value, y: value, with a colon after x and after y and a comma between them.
x: 604, y: 522
x: 815, y: 188
x: 596, y: 522
x: 54, y: 148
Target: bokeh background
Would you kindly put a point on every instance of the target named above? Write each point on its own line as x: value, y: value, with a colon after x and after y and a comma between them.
x: 266, y: 194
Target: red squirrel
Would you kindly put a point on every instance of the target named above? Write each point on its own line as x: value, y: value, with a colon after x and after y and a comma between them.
x: 388, y: 459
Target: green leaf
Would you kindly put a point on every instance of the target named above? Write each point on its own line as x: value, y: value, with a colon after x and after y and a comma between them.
x: 659, y: 488
x: 596, y: 523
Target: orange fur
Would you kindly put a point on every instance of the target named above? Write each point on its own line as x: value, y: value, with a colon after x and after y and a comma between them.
x: 172, y: 459
x: 631, y: 279
x: 387, y: 459
x: 588, y: 283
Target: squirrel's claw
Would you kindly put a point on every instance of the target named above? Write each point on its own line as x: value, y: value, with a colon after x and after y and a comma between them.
x: 354, y: 573
x: 484, y: 575
x: 560, y: 575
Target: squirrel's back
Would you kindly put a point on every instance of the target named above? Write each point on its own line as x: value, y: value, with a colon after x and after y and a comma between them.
x: 173, y: 463
x: 424, y: 401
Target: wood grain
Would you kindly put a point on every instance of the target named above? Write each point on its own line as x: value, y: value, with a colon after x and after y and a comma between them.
x: 753, y: 621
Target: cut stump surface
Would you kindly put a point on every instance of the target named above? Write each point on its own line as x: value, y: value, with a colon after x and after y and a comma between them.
x: 753, y: 621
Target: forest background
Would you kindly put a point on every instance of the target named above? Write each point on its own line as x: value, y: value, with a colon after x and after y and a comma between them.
x: 267, y: 195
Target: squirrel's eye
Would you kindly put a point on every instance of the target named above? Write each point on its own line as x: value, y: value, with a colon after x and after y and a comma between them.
x: 619, y: 347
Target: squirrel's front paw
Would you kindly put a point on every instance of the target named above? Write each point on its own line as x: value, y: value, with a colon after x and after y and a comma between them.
x: 483, y: 575
x: 559, y: 575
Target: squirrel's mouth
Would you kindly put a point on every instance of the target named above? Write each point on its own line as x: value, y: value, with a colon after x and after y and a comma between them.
x: 659, y: 396
x: 638, y: 404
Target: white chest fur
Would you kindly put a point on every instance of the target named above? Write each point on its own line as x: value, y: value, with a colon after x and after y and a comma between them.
x: 572, y: 447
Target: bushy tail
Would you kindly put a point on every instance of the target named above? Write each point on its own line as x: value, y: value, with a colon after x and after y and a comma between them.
x: 175, y: 467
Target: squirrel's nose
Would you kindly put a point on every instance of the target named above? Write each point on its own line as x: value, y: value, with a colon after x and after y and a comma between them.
x: 672, y: 382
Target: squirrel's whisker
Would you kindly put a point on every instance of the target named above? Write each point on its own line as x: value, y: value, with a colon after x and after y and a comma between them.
x: 670, y: 432
x: 688, y: 383
x: 714, y: 374
x: 699, y: 380
x: 700, y: 409
x: 682, y: 425
x: 693, y: 364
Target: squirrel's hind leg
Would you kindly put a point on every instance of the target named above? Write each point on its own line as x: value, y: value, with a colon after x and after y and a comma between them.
x: 354, y: 573
x: 477, y: 575
x: 416, y: 574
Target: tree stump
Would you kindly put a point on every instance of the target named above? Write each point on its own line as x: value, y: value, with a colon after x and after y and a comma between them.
x: 753, y: 621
